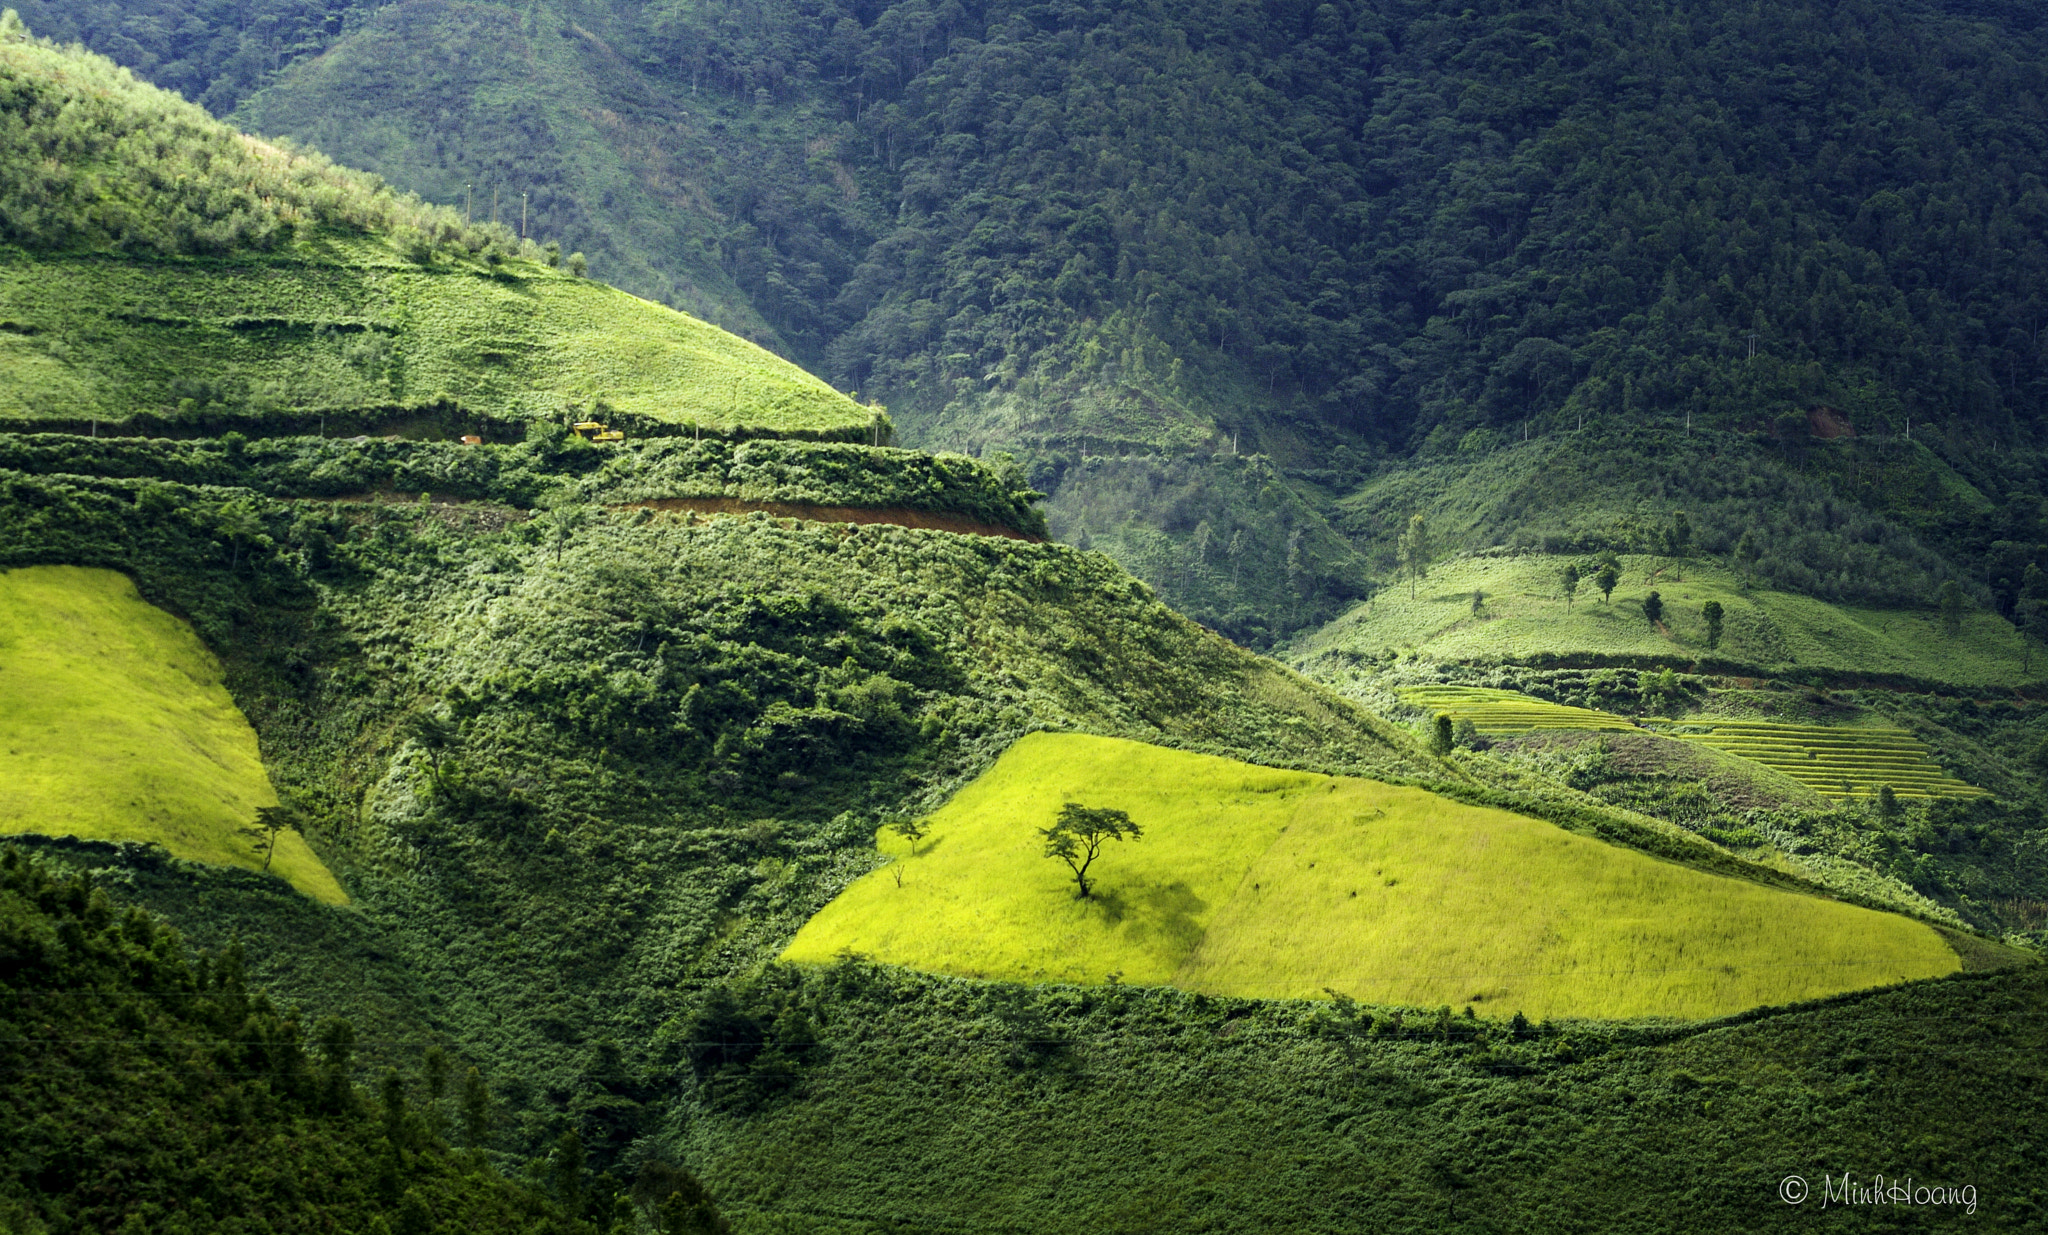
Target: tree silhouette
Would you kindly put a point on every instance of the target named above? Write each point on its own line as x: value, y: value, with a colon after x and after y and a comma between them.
x: 912, y: 830
x: 1713, y: 614
x: 270, y: 820
x: 1076, y: 837
x: 1413, y: 551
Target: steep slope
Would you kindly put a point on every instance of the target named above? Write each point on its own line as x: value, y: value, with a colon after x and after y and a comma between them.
x: 658, y: 741
x: 117, y: 727
x: 1323, y: 234
x: 1135, y: 1111
x: 146, y: 1089
x: 162, y: 272
x: 1263, y: 884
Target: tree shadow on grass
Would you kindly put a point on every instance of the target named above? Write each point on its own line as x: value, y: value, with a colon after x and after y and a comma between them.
x: 1148, y: 914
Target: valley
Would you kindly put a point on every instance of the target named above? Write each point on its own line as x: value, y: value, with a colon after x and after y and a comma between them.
x: 558, y: 561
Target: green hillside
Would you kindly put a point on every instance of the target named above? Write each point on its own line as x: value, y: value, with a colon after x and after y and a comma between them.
x: 117, y: 726
x: 599, y: 733
x: 1495, y: 712
x: 1525, y: 618
x: 1834, y: 761
x: 148, y: 1089
x: 1345, y: 273
x: 159, y: 271
x: 1250, y: 882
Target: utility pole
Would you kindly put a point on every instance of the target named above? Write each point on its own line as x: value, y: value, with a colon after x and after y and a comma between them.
x: 494, y: 203
x: 468, y: 203
x: 522, y: 216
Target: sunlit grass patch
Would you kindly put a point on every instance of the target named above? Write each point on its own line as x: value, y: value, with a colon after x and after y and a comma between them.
x: 1494, y: 712
x: 1524, y: 615
x: 116, y: 727
x: 1255, y: 882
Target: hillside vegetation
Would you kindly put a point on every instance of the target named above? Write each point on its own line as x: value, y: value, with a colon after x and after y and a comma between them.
x: 1497, y: 712
x: 1250, y: 882
x: 1834, y: 761
x: 162, y: 272
x: 148, y: 1089
x: 117, y: 727
x: 1336, y: 235
x: 1524, y: 617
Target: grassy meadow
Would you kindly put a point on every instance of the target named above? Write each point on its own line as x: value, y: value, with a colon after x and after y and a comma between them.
x: 116, y: 727
x: 1524, y: 614
x: 1256, y: 882
x: 1494, y: 712
x: 355, y: 329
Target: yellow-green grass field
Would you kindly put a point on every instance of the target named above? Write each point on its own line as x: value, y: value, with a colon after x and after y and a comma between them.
x: 115, y: 725
x: 1495, y: 712
x: 1835, y: 761
x: 355, y: 328
x: 1255, y: 882
x: 1525, y: 614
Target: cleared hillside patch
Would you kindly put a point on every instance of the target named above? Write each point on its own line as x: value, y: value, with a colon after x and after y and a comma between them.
x: 353, y: 331
x: 163, y: 272
x: 1494, y: 712
x: 116, y: 727
x: 1835, y: 761
x: 1525, y: 616
x: 1251, y: 881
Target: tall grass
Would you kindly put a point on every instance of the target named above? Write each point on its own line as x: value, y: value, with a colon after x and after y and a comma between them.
x: 1255, y: 882
x: 116, y: 727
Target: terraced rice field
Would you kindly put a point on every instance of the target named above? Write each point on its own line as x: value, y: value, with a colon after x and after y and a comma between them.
x: 1833, y: 761
x: 1495, y: 712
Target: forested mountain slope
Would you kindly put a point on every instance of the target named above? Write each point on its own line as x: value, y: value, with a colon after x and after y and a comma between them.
x: 1340, y: 234
x: 588, y: 732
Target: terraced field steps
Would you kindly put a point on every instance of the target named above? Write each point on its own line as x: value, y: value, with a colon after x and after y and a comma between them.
x: 1835, y: 761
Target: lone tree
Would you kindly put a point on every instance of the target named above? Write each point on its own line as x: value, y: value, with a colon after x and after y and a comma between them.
x: 1653, y: 608
x: 1571, y: 583
x: 1444, y: 736
x: 1478, y: 601
x: 912, y: 830
x: 1413, y: 551
x: 1609, y: 575
x: 1076, y: 837
x: 1950, y: 598
x: 270, y: 820
x: 1712, y: 612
